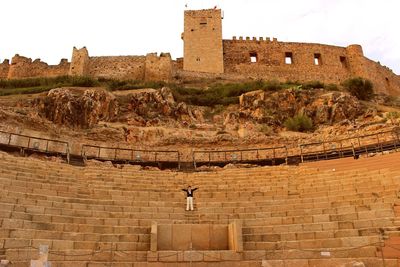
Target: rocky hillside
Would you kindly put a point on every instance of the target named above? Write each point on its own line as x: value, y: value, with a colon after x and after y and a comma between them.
x: 153, y: 117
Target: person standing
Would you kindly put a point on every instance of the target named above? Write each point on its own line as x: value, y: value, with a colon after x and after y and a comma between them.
x: 189, y: 197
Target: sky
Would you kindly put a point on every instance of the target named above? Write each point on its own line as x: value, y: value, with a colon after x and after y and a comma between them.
x: 49, y: 29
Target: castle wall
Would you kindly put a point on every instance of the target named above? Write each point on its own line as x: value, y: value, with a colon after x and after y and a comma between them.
x: 4, y: 69
x: 79, y: 62
x: 117, y: 67
x: 23, y: 67
x: 309, y: 62
x: 270, y: 59
x: 383, y: 78
x: 158, y: 68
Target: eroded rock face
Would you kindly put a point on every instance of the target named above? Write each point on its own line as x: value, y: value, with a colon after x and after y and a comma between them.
x: 151, y: 107
x: 275, y: 108
x: 81, y: 108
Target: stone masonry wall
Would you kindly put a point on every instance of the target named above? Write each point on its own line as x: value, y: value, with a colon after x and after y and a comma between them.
x: 4, y: 69
x: 79, y: 62
x: 266, y: 59
x: 203, y: 41
x: 23, y: 67
x: 117, y: 67
x: 158, y: 68
x: 270, y: 60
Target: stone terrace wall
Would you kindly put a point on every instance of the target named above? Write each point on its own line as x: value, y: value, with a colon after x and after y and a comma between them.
x: 4, y: 69
x: 118, y: 67
x: 23, y: 67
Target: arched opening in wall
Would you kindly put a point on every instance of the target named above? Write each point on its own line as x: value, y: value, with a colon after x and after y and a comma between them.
x: 343, y: 61
x: 288, y: 58
x: 253, y: 57
x: 317, y: 59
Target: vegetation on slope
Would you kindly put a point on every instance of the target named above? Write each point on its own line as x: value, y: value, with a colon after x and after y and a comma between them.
x: 360, y: 88
x: 215, y: 94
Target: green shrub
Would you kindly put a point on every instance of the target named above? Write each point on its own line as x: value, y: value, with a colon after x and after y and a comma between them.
x: 313, y: 85
x: 332, y: 87
x: 359, y: 87
x: 299, y: 123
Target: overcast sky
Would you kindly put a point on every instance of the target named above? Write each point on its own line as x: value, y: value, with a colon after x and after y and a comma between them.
x: 48, y: 29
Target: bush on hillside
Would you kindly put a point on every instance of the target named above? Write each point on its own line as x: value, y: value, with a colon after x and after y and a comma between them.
x: 299, y: 123
x: 359, y: 87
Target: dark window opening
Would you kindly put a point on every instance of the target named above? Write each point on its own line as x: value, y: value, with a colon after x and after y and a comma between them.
x: 289, y: 58
x: 203, y: 21
x: 343, y: 61
x: 317, y: 59
x: 253, y: 57
x: 198, y: 59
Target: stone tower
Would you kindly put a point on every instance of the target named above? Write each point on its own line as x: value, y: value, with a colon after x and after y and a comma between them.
x: 202, y: 37
x: 79, y: 62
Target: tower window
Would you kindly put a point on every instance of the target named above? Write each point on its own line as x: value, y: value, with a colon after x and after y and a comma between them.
x: 253, y: 57
x: 203, y: 22
x: 198, y: 59
x: 343, y: 61
x: 317, y: 59
x: 289, y: 58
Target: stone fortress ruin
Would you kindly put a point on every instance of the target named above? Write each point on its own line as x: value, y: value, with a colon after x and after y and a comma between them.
x: 207, y: 55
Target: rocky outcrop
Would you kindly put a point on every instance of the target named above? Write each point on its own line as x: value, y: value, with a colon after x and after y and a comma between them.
x: 275, y: 108
x: 151, y: 107
x: 78, y: 107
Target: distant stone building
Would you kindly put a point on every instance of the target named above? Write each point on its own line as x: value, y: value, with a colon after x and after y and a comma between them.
x: 207, y: 55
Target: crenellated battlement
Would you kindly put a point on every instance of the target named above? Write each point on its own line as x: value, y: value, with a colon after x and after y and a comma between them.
x: 253, y: 39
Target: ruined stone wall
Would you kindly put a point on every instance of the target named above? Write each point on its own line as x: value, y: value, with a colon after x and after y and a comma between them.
x: 269, y: 60
x: 4, y: 69
x: 117, y: 67
x: 23, y: 67
x: 149, y: 67
x: 79, y: 62
x: 383, y: 78
x: 158, y: 68
x: 203, y: 41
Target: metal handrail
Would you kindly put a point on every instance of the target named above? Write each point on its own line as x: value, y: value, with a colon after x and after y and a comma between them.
x: 236, y: 155
x: 130, y: 154
x: 30, y: 144
x: 376, y: 142
x: 352, y: 142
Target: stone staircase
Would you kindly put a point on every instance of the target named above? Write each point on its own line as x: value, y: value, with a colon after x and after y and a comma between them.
x: 292, y: 216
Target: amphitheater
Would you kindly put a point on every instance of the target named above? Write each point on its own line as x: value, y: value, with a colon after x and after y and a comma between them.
x: 333, y: 203
x: 329, y: 210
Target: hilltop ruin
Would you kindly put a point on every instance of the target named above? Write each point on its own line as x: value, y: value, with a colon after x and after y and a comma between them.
x: 208, y: 55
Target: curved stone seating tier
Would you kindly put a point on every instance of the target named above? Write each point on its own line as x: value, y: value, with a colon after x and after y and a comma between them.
x: 95, y: 215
